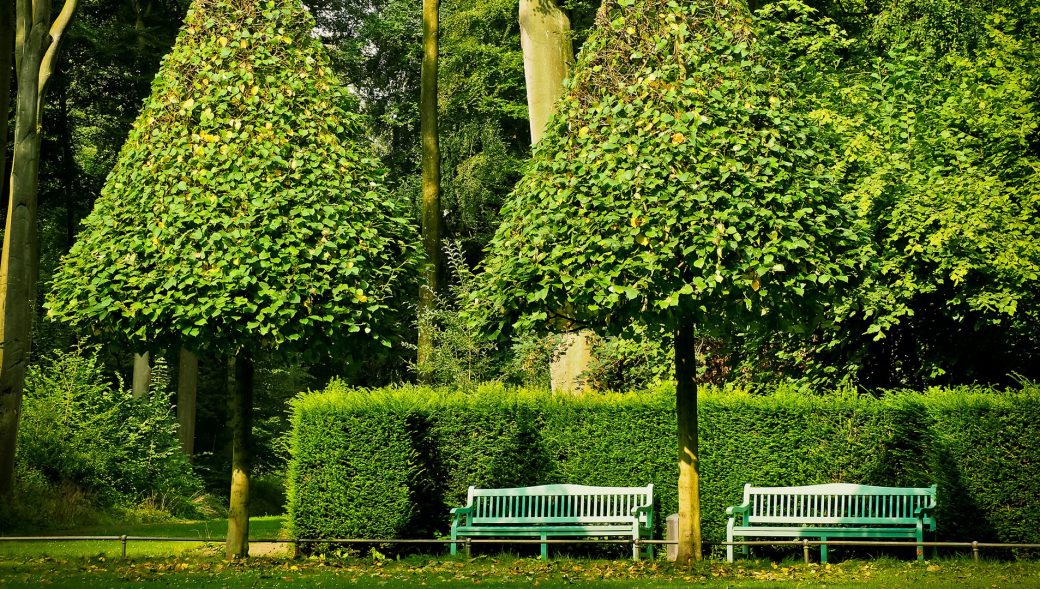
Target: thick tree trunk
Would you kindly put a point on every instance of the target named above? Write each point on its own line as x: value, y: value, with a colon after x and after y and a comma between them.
x: 241, y: 424
x: 36, y: 45
x: 689, y: 473
x: 142, y: 374
x: 431, y: 177
x: 187, y: 389
x: 545, y: 37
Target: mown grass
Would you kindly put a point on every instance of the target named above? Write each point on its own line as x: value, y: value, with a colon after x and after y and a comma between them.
x: 204, y: 530
x: 508, y: 572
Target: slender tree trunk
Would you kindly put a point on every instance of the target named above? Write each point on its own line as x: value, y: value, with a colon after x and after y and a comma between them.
x: 689, y: 472
x: 431, y: 177
x: 68, y: 165
x: 142, y: 374
x: 187, y: 389
x: 36, y: 45
x: 545, y: 37
x: 241, y: 424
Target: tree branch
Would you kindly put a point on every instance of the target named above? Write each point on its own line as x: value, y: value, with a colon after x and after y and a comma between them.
x: 57, y: 29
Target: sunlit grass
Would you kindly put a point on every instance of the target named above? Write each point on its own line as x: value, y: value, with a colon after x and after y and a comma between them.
x: 203, y: 571
x: 205, y: 530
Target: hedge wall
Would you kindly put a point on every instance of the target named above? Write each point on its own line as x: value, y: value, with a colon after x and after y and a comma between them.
x: 391, y: 462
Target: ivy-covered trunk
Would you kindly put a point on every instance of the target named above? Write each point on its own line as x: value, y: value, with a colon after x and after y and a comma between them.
x: 431, y: 177
x: 240, y: 421
x: 187, y: 392
x: 689, y: 473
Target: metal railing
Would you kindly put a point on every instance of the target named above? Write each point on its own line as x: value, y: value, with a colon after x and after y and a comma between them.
x: 466, y: 543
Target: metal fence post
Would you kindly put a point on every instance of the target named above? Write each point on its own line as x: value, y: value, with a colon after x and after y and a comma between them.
x: 805, y: 550
x: 975, y: 550
x: 122, y: 540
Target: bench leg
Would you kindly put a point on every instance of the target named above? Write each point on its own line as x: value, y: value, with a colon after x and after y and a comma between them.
x: 920, y: 538
x: 545, y: 548
x: 823, y: 551
x: 454, y: 548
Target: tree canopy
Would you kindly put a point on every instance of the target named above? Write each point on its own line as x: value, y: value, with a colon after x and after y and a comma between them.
x: 245, y: 210
x: 679, y: 179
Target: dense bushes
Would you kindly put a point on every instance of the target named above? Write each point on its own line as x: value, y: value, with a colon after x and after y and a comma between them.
x: 391, y: 462
x: 85, y: 445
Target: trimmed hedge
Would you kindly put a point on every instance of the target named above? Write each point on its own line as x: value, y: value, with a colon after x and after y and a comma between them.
x: 391, y: 462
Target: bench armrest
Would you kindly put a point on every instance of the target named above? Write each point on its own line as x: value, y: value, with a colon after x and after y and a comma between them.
x: 649, y: 511
x: 459, y: 514
x: 921, y: 512
x: 739, y: 511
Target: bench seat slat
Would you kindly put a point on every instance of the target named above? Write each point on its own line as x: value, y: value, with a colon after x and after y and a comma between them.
x: 902, y: 521
x: 815, y: 532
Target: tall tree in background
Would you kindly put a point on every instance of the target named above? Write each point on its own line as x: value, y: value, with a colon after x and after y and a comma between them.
x: 37, y: 39
x: 545, y: 36
x: 677, y: 187
x: 244, y: 216
x: 431, y: 178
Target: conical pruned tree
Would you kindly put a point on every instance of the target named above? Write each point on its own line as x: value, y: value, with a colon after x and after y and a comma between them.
x: 245, y: 214
x: 680, y: 185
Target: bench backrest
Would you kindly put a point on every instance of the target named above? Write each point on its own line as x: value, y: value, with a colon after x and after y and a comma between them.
x: 558, y: 504
x: 838, y: 503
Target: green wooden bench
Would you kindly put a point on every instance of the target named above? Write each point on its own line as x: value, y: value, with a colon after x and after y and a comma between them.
x: 556, y: 511
x: 832, y: 511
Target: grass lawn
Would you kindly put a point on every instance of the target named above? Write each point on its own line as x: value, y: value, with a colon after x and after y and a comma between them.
x: 259, y: 527
x: 97, y: 565
x: 506, y: 572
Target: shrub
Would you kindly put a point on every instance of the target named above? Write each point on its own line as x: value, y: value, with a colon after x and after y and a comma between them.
x: 89, y: 437
x: 391, y: 462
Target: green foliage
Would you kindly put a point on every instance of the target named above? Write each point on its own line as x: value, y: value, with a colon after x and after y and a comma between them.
x: 460, y: 354
x: 484, y: 131
x: 679, y: 179
x: 244, y: 210
x: 81, y: 436
x: 941, y: 166
x: 421, y: 448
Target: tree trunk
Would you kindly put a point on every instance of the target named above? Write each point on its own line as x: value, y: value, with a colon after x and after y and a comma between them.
x: 431, y: 177
x: 545, y: 37
x: 187, y: 389
x: 6, y: 71
x: 142, y: 374
x: 241, y: 424
x: 68, y: 165
x: 36, y: 45
x: 689, y: 473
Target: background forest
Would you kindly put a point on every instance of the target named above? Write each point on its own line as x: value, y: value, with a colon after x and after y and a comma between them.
x: 936, y: 104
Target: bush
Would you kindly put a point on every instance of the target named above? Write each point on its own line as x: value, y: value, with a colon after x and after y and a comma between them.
x: 391, y: 462
x: 81, y: 436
